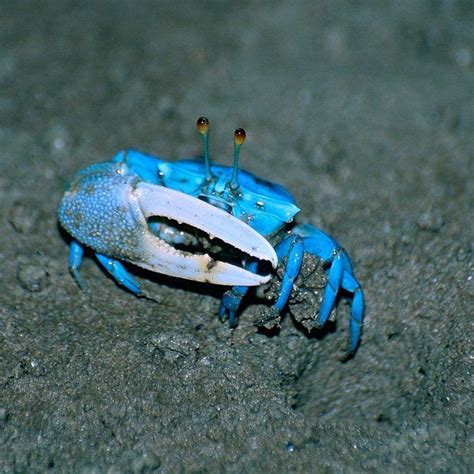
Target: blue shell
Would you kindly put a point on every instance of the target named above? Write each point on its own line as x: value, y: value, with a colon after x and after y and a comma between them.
x: 263, y: 205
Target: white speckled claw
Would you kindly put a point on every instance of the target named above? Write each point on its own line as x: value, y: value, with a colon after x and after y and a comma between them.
x: 150, y: 200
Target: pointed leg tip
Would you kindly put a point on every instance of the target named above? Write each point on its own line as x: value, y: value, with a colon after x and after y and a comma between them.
x: 145, y: 295
x: 77, y: 278
x: 320, y: 321
x: 224, y: 313
x: 352, y: 350
x: 347, y: 356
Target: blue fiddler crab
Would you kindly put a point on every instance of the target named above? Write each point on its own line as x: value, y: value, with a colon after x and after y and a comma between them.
x: 200, y: 221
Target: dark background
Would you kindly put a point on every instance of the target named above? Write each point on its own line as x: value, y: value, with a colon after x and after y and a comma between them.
x: 365, y: 112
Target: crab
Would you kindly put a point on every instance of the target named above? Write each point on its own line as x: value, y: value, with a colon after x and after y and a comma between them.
x: 201, y: 221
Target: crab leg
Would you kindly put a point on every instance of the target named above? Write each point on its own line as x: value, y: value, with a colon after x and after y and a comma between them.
x: 349, y: 283
x: 118, y: 271
x: 317, y: 242
x: 233, y: 298
x: 293, y: 249
x: 333, y: 285
x: 76, y: 254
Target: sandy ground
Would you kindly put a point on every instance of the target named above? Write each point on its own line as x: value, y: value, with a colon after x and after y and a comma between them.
x: 365, y: 112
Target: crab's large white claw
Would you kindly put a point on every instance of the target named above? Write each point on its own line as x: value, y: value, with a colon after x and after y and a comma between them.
x: 149, y: 200
x: 108, y: 209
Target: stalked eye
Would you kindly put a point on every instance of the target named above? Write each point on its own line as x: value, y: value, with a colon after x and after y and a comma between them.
x: 239, y: 138
x: 202, y: 125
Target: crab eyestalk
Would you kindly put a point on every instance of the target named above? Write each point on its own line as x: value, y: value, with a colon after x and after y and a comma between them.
x: 239, y: 138
x: 202, y: 125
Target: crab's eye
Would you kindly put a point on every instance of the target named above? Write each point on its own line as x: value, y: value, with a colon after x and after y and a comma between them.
x: 202, y: 125
x: 239, y: 136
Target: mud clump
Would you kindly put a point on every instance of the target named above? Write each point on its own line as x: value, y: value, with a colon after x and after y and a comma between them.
x: 305, y: 300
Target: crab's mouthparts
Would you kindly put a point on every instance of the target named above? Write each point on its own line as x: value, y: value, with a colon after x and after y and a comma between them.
x: 158, y: 201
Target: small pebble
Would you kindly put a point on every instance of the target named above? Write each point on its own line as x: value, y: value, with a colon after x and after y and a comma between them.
x: 33, y: 278
x: 23, y: 216
x: 146, y: 463
x: 58, y: 138
x: 463, y: 57
x: 431, y: 220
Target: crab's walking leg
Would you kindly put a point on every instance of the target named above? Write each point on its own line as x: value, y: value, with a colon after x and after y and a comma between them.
x: 121, y: 275
x: 322, y: 246
x: 293, y: 248
x: 114, y: 267
x: 317, y: 242
x: 231, y: 302
x: 333, y: 285
x: 232, y: 299
x: 349, y: 283
x: 76, y: 255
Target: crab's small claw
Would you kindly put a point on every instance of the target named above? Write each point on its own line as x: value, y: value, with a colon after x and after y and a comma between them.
x: 107, y: 208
